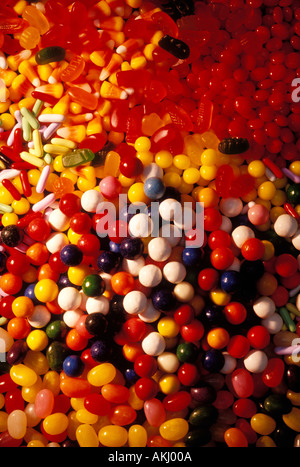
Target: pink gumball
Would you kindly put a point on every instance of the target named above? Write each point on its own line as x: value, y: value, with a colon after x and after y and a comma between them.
x: 110, y: 187
x: 258, y: 214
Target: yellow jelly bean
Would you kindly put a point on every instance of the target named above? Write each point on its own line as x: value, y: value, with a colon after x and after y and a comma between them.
x: 55, y: 423
x: 29, y: 392
x: 265, y: 442
x: 51, y: 380
x: 86, y: 436
x: 137, y: 436
x: 101, y: 374
x: 113, y: 436
x: 35, y: 443
x: 174, y: 429
x: 262, y: 424
x: 86, y: 417
x: 294, y: 397
x: 16, y: 424
x: 22, y: 375
x: 134, y: 401
x: 292, y: 419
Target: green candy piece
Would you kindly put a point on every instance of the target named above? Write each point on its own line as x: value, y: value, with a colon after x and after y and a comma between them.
x: 93, y: 285
x: 203, y: 416
x: 77, y: 157
x: 56, y: 354
x: 49, y: 55
x: 56, y: 330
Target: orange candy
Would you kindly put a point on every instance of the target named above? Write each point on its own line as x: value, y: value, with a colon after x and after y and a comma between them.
x: 122, y: 283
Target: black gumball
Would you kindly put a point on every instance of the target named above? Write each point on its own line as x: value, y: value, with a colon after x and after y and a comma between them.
x: 11, y: 236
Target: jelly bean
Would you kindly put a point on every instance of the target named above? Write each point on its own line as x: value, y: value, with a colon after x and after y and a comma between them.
x: 113, y: 436
x: 154, y: 412
x: 263, y: 424
x: 44, y: 403
x: 49, y: 55
x: 86, y: 436
x: 137, y: 436
x: 234, y: 437
x: 16, y: 424
x: 174, y: 429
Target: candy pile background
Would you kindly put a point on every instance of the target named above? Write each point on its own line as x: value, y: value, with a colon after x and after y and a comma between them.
x: 137, y: 340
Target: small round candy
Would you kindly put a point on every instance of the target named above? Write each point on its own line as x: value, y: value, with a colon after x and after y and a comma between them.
x: 241, y: 234
x: 154, y: 188
x: 154, y: 344
x: 258, y: 214
x: 110, y: 187
x: 255, y: 361
x: 150, y: 275
x: 235, y: 313
x: 69, y: 204
x: 253, y: 249
x: 170, y: 209
x: 71, y: 255
x: 58, y: 220
x: 231, y: 207
x: 174, y: 272
x: 69, y: 298
x: 73, y: 366
x: 131, y: 248
x: 11, y: 235
x: 140, y: 225
x: 90, y: 200
x: 135, y: 302
x: 159, y: 249
x: 285, y: 226
x: 93, y: 285
x: 46, y: 290
x: 107, y: 261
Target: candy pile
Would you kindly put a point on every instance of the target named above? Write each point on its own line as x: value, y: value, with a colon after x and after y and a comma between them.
x: 129, y: 316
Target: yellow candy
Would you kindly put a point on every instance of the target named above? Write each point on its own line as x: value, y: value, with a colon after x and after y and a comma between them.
x: 136, y: 193
x: 219, y: 297
x: 55, y: 423
x: 182, y: 162
x: 174, y: 429
x: 113, y: 436
x: 266, y: 190
x: 137, y: 436
x: 191, y: 176
x: 142, y: 144
x: 292, y: 419
x: 8, y: 121
x: 164, y: 159
x: 2, y: 401
x: 265, y: 442
x: 169, y: 384
x: 172, y: 179
x: 256, y: 169
x: 208, y: 172
x: 86, y: 436
x: 262, y: 424
x: 37, y: 361
x: 21, y: 207
x: 3, y: 421
x: 37, y: 340
x: 84, y: 416
x: 168, y: 327
x: 76, y: 274
x: 101, y: 374
x: 9, y: 219
x: 22, y: 375
x: 209, y: 157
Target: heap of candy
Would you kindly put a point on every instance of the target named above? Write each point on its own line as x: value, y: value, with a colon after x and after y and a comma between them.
x: 111, y: 335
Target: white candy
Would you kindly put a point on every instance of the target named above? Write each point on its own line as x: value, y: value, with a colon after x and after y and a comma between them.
x: 107, y: 280
x: 231, y: 207
x: 264, y: 307
x: 184, y: 292
x: 153, y: 344
x: 226, y: 224
x: 235, y: 266
x: 133, y: 266
x: 296, y: 240
x: 140, y: 225
x: 168, y: 362
x: 150, y: 314
x: 241, y: 234
x: 71, y: 317
x: 56, y: 241
x: 172, y: 233
x: 150, y: 275
x: 69, y: 298
x: 256, y: 361
x: 169, y: 209
x: 229, y: 364
x: 40, y: 317
x: 90, y: 200
x: 273, y: 324
x: 58, y: 220
x: 97, y: 305
x: 187, y: 220
x: 285, y: 226
x: 159, y: 249
x: 135, y: 302
x: 174, y: 272
x: 152, y: 170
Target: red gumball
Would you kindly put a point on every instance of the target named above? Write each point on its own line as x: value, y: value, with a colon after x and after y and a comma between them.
x: 184, y: 315
x: 219, y: 239
x: 238, y: 346
x: 222, y: 258
x: 39, y: 229
x: 145, y: 366
x: 286, y: 265
x: 253, y: 249
x: 193, y: 331
x: 146, y: 388
x: 81, y: 223
x: 70, y: 204
x: 235, y: 313
x: 89, y: 244
x: 258, y: 337
x: 208, y: 279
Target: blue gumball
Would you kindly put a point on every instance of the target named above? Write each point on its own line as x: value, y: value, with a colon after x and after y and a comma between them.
x: 230, y: 281
x: 154, y: 188
x: 73, y: 366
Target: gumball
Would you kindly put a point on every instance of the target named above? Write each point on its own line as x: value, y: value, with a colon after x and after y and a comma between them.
x: 212, y: 219
x: 17, y: 264
x: 131, y: 248
x: 71, y: 255
x: 154, y: 188
x: 258, y: 215
x: 258, y: 337
x: 218, y: 338
x: 187, y: 352
x: 208, y: 279
x: 70, y: 204
x: 163, y: 300
x: 241, y: 234
x: 89, y: 244
x: 238, y: 346
x: 286, y: 265
x: 221, y: 258
x: 235, y: 313
x: 38, y: 253
x: 93, y: 285
x: 255, y: 361
x: 118, y: 231
x: 69, y: 298
x: 193, y: 331
x: 145, y: 366
x: 146, y: 388
x: 219, y: 239
x: 135, y: 302
x: 150, y: 275
x: 46, y: 290
x: 230, y: 281
x: 122, y: 283
x: 253, y: 249
x: 11, y: 235
x: 285, y: 226
x: 191, y: 256
x: 107, y: 261
x: 213, y: 360
x: 80, y: 223
x: 100, y: 350
x: 96, y: 324
x: 110, y: 187
x: 39, y: 229
x: 73, y: 366
x: 131, y: 167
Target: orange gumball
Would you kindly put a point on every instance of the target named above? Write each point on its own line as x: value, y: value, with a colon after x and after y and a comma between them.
x: 122, y: 283
x: 10, y: 283
x: 75, y: 341
x: 38, y: 254
x: 218, y: 338
x: 46, y: 272
x: 18, y: 328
